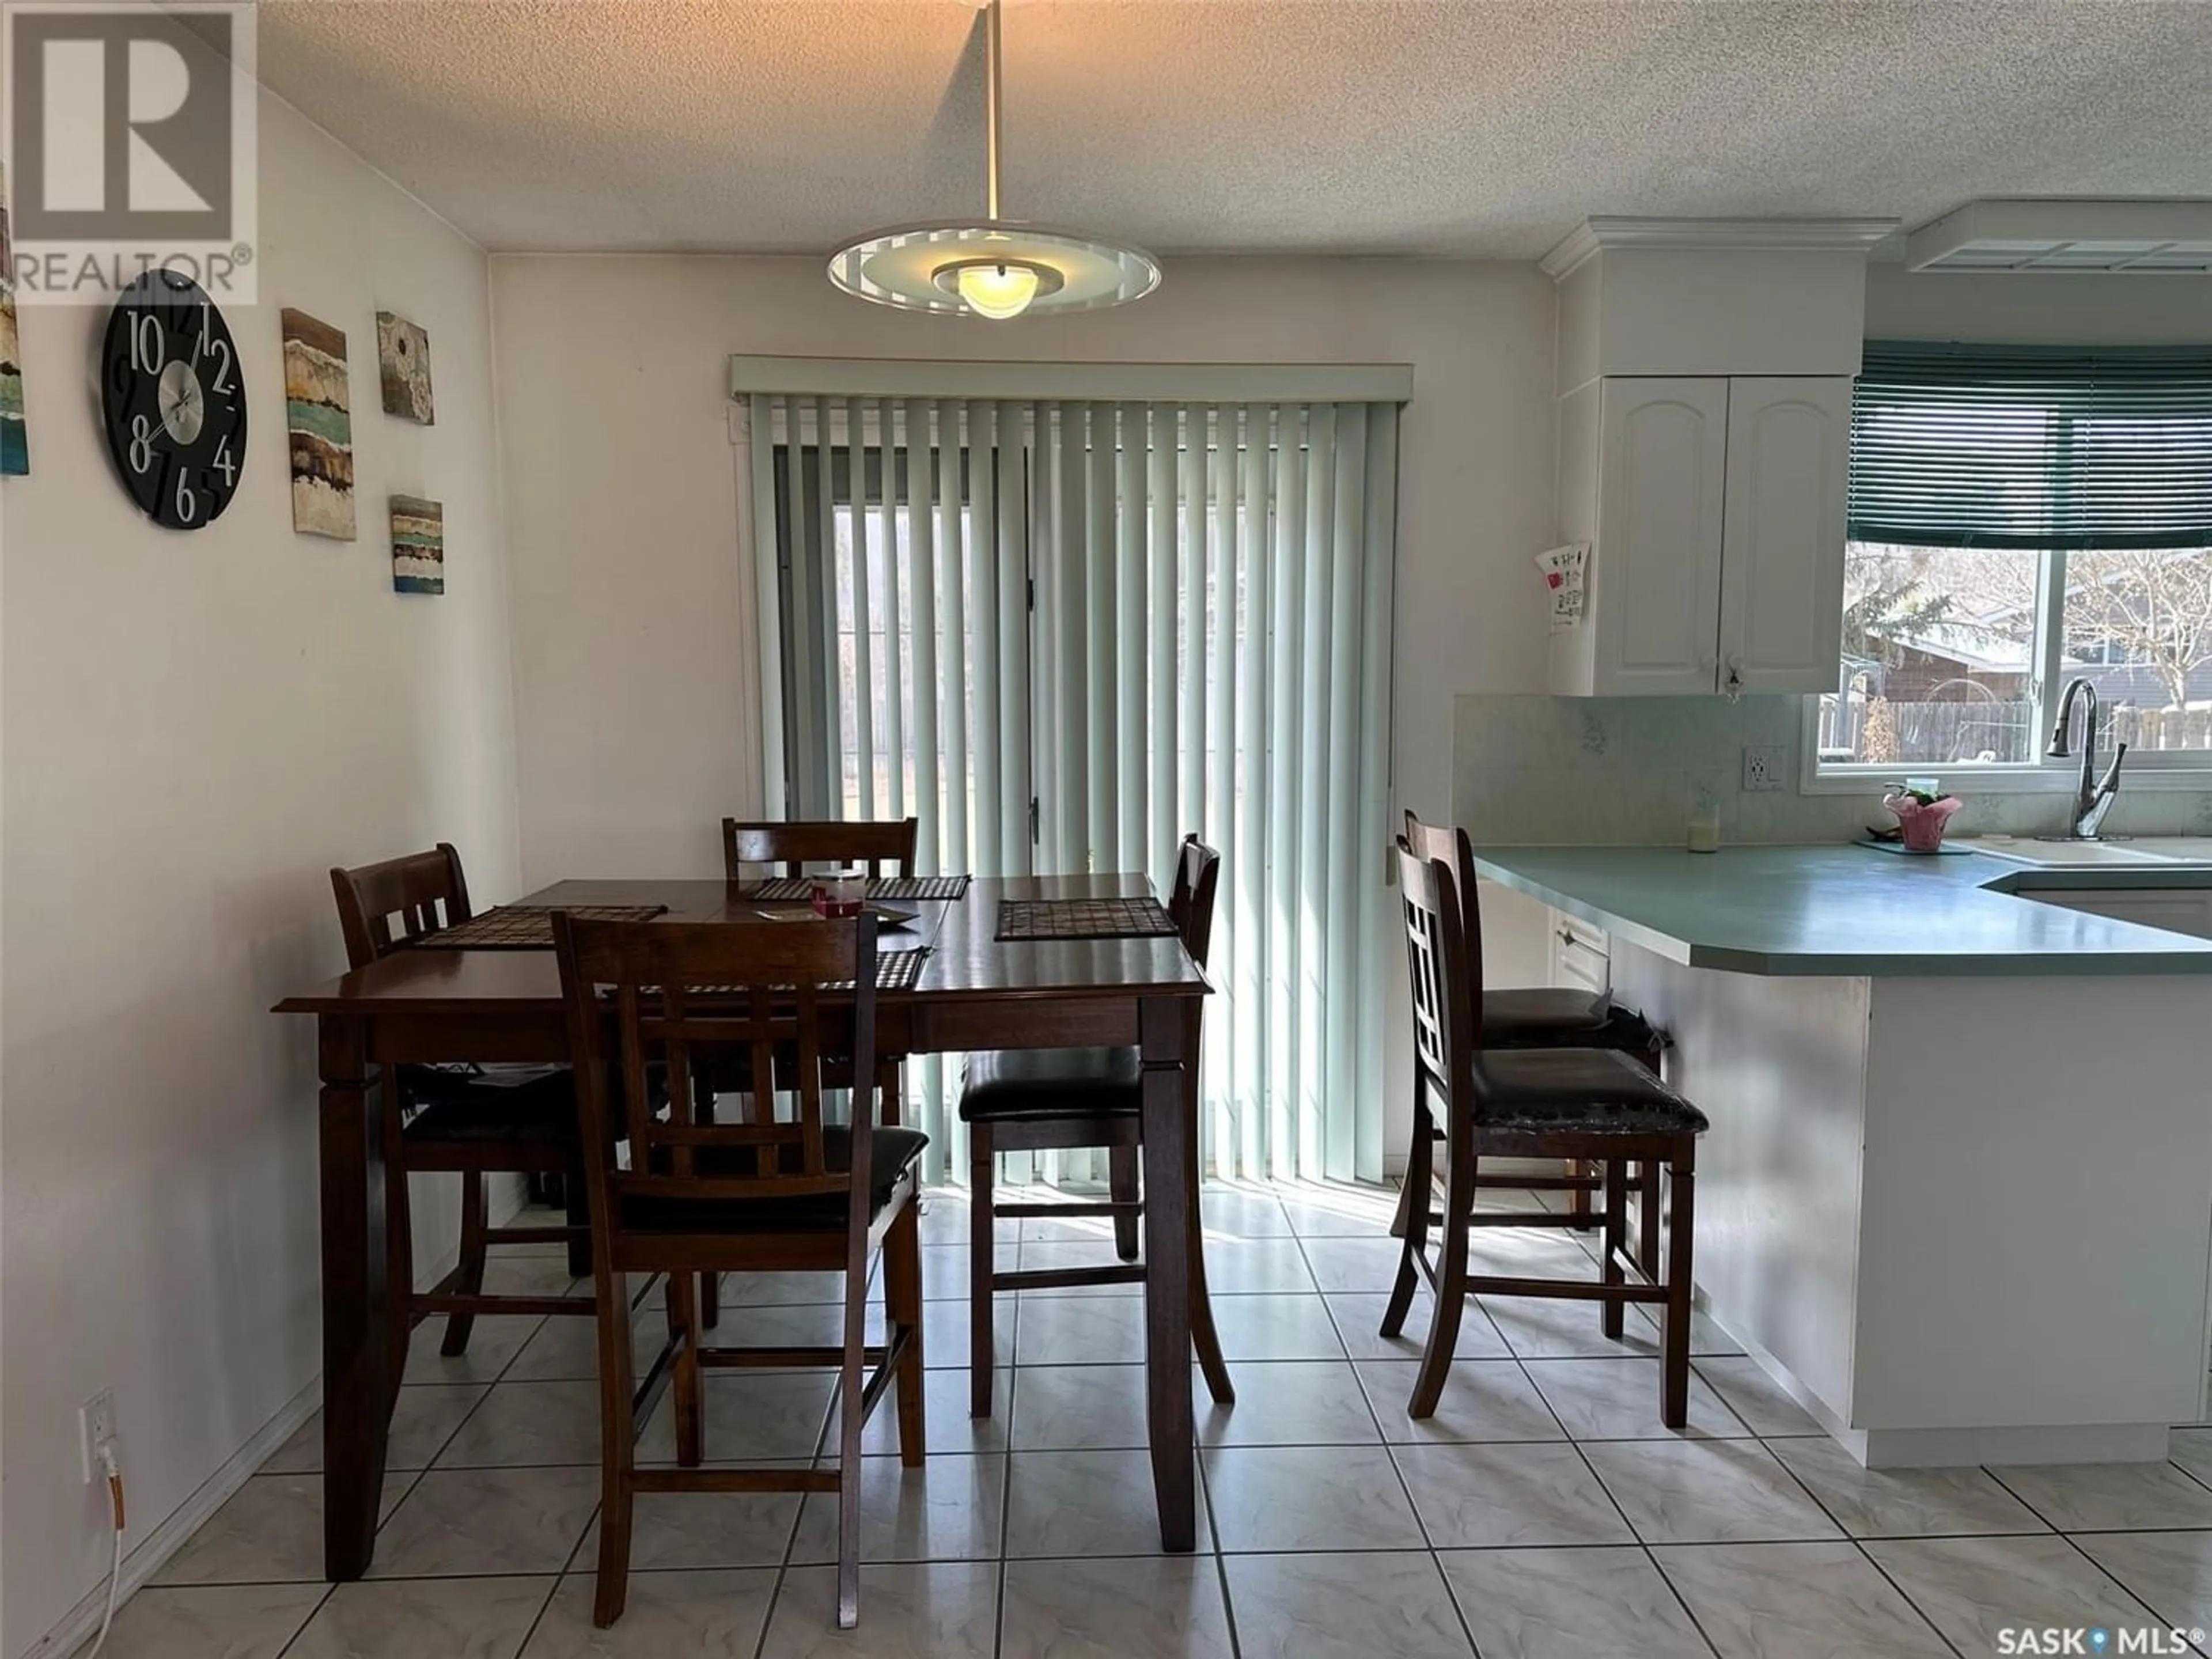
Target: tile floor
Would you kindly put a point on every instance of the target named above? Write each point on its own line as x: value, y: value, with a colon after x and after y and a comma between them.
x: 1542, y: 1512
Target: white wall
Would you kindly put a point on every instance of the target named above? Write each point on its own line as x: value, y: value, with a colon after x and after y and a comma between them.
x: 196, y: 727
x: 636, y: 723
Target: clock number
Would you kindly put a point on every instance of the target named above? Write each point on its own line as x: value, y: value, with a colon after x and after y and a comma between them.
x: 222, y: 382
x: 141, y: 443
x: 146, y: 345
x: 224, y: 464
x: 187, y: 503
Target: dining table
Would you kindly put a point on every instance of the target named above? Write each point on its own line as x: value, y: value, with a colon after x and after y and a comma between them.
x: 973, y: 990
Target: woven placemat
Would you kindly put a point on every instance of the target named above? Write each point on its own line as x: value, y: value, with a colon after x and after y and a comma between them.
x: 896, y: 971
x: 785, y: 888
x: 527, y: 927
x: 1084, y: 918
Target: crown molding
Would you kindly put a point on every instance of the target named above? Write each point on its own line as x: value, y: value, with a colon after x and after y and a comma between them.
x: 1603, y: 231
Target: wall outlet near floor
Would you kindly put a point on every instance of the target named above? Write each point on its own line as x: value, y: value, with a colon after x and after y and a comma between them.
x: 1764, y: 765
x: 95, y: 1420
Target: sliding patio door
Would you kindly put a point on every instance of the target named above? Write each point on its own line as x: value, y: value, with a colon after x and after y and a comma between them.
x: 1063, y: 633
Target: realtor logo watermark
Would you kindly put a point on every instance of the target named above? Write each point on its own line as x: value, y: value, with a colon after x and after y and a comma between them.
x: 2097, y: 1641
x: 130, y: 145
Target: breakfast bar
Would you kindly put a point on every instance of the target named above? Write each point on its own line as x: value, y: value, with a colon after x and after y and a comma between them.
x: 1957, y: 1197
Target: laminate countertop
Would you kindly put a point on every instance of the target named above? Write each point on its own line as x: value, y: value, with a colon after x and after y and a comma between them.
x: 1851, y: 911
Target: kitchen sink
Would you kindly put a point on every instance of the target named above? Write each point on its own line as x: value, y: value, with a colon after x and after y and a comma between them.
x: 2150, y: 853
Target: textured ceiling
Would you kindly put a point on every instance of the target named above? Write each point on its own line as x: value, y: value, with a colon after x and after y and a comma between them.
x: 1210, y: 126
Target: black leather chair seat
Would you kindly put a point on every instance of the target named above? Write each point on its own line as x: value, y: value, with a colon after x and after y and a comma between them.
x: 1561, y: 1017
x: 1578, y: 1090
x: 1013, y: 1085
x: 891, y: 1155
x: 491, y: 1103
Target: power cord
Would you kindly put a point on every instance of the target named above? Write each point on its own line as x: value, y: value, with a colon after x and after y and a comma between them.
x: 115, y: 1571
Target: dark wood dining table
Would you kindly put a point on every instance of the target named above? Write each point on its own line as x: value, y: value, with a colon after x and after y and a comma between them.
x: 974, y: 992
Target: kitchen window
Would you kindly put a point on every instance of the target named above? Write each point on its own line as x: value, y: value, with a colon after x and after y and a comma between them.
x: 2022, y: 517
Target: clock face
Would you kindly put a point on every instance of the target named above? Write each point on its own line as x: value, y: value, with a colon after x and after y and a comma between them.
x: 172, y: 398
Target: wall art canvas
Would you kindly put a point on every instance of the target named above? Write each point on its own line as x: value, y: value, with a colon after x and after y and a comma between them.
x: 15, y: 438
x: 418, y: 546
x: 403, y: 361
x: 318, y: 409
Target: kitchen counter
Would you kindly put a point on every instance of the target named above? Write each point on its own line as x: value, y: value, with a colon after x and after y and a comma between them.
x: 1843, y: 910
x: 1957, y: 1195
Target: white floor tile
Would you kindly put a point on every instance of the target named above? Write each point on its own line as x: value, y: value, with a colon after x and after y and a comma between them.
x: 1500, y: 1496
x: 455, y: 1619
x: 664, y: 1614
x: 1797, y: 1602
x: 1483, y: 1400
x: 1343, y: 1607
x: 1903, y: 1503
x: 1570, y: 1604
x: 1125, y: 1607
x: 1318, y: 1498
x: 1706, y: 1491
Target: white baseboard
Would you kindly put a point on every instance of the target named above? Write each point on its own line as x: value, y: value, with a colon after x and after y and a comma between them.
x: 151, y: 1554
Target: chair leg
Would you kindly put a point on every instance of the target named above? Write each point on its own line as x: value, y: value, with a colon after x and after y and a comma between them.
x: 579, y: 1205
x: 710, y: 1300
x: 1578, y: 1201
x: 686, y: 1388
x: 1616, y: 1238
x: 474, y: 1245
x: 983, y: 1305
x: 1419, y: 1179
x: 1122, y: 1188
x: 890, y: 1076
x: 902, y: 1312
x: 398, y: 1239
x: 1203, y: 1336
x: 852, y: 1414
x: 1647, y: 1227
x: 1451, y: 1281
x: 618, y: 1447
x: 1675, y: 1341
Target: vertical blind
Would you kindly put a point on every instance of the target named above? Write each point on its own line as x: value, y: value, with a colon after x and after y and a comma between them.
x: 2032, y: 446
x: 1063, y: 633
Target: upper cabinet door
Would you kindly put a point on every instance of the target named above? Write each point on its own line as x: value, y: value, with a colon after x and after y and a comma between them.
x: 1655, y: 575
x: 1782, y: 567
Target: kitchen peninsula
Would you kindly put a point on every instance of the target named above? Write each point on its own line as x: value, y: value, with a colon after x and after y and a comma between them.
x: 1957, y: 1196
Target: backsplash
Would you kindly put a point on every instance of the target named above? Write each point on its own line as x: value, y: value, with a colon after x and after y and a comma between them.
x: 1627, y: 771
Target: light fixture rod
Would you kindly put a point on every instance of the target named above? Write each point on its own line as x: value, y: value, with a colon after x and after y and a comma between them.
x: 993, y: 46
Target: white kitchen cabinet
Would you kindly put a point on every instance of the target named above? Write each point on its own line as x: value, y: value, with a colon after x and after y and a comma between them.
x: 1714, y: 509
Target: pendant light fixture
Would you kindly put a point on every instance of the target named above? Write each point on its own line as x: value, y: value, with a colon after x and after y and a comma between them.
x: 992, y: 267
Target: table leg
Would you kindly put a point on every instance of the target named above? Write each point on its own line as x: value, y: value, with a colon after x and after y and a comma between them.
x: 1163, y: 1025
x: 358, y: 1368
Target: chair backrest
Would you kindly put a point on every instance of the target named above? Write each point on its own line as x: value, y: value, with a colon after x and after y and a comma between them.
x: 797, y: 844
x: 1436, y: 970
x: 1430, y: 841
x: 426, y: 891
x: 1190, y: 902
x: 684, y: 992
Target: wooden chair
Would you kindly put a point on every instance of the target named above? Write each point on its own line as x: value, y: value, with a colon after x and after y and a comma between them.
x: 795, y: 845
x: 774, y: 1191
x: 1593, y: 1105
x: 1540, y: 1016
x: 1063, y: 1099
x: 468, y: 1120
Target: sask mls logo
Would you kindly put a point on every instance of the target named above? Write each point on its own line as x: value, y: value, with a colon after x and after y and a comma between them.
x: 131, y: 145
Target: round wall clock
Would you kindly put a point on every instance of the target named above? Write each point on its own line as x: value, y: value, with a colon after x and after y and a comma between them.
x: 172, y: 398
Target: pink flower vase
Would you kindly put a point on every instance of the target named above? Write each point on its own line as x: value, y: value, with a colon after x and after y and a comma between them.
x: 1922, y: 825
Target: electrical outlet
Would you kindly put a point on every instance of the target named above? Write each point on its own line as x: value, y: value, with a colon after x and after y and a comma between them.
x: 1763, y: 765
x: 95, y: 1421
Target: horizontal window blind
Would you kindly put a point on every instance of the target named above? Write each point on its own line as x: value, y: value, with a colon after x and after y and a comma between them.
x: 2032, y: 446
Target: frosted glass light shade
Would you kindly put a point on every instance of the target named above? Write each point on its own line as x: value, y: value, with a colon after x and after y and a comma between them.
x: 923, y: 268
x: 997, y: 291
